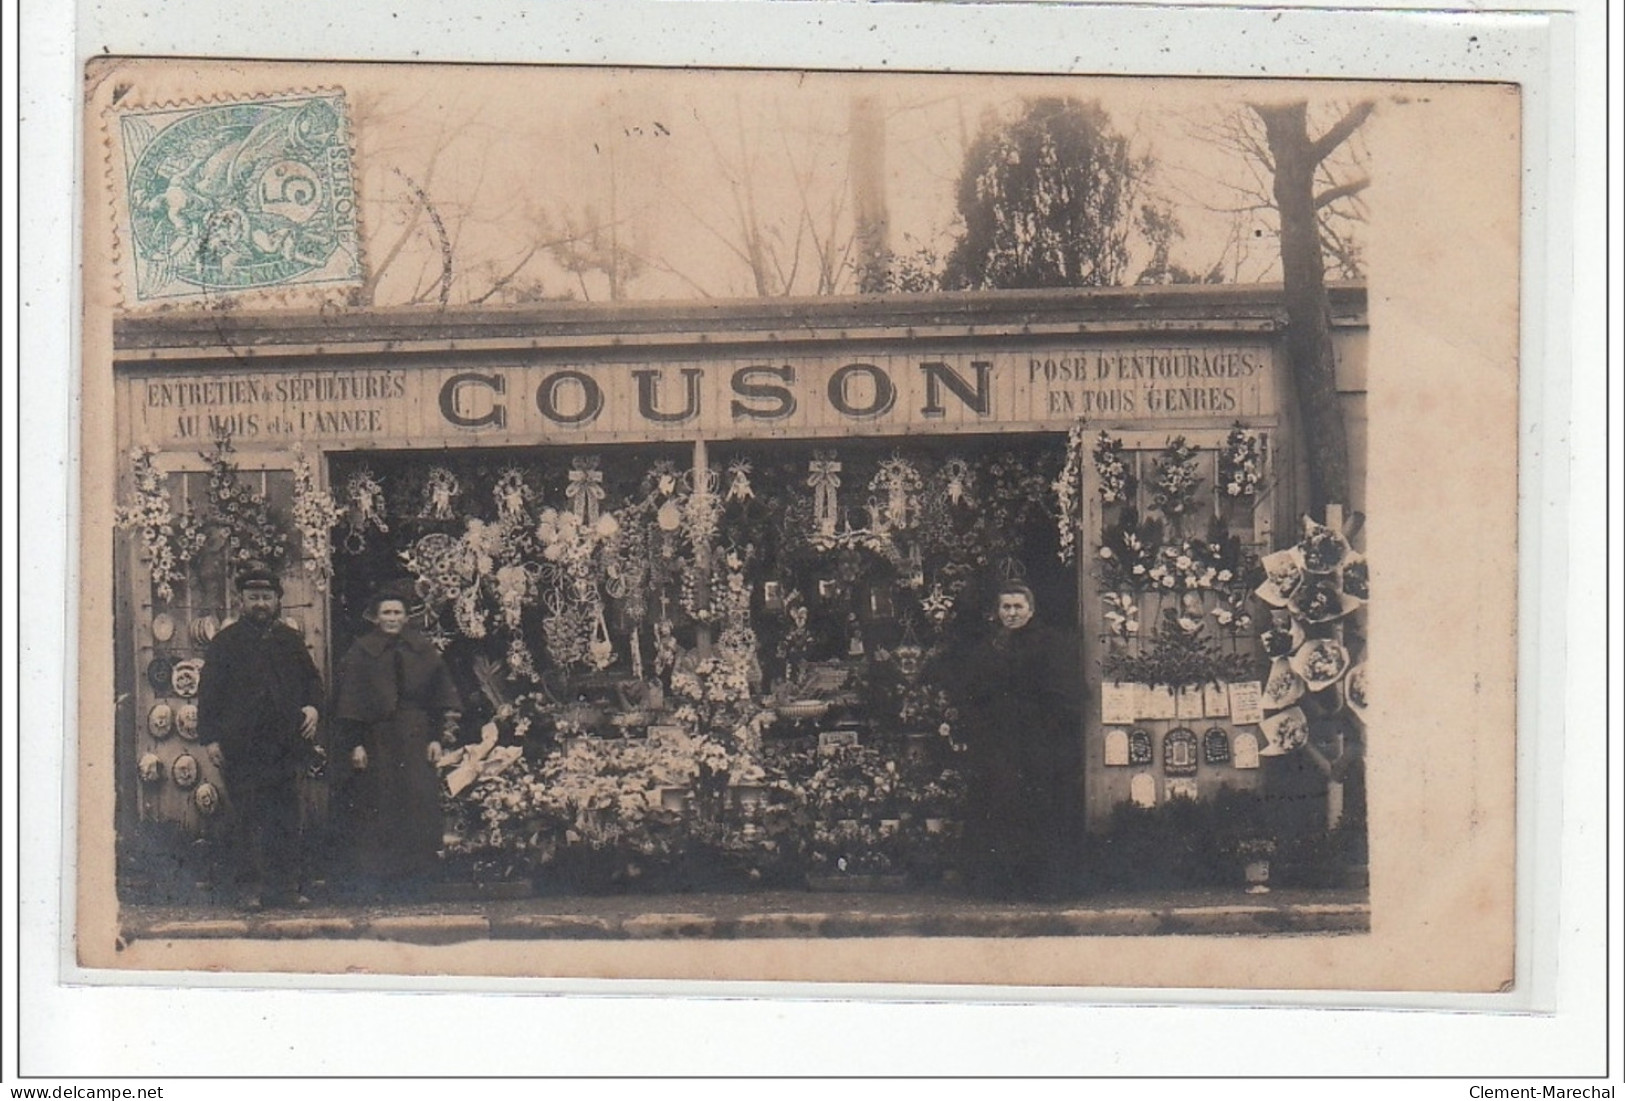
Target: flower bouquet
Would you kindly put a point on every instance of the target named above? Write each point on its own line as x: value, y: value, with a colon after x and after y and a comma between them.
x: 1128, y: 552
x: 1320, y: 662
x: 1111, y: 467
x: 1354, y: 690
x: 1241, y: 466
x: 1283, y: 732
x: 1283, y: 573
x: 1321, y: 548
x: 1284, y: 687
x: 1174, y: 483
x: 1356, y: 576
x: 1320, y: 599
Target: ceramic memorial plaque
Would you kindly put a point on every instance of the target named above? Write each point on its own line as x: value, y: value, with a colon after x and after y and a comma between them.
x: 1246, y: 702
x: 1179, y: 749
x: 184, y: 771
x: 1188, y: 703
x: 1117, y: 703
x: 1116, y: 749
x: 1245, y: 748
x: 1143, y: 789
x: 1158, y: 703
x: 1180, y: 787
x: 186, y: 677
x: 160, y: 674
x: 204, y: 629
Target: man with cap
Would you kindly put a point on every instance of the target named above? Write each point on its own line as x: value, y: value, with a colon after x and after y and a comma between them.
x: 257, y: 709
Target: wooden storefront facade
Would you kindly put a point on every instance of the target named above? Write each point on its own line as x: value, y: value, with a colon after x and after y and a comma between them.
x: 887, y: 375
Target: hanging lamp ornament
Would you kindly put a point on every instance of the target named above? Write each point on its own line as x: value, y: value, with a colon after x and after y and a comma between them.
x: 824, y: 476
x: 739, y: 487
x: 586, y: 488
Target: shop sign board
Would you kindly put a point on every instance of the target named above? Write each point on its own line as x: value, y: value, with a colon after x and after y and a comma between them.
x: 744, y: 397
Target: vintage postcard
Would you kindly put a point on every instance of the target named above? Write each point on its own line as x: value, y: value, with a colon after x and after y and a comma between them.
x: 810, y: 526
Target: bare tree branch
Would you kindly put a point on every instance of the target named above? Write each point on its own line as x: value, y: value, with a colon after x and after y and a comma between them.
x: 1342, y: 191
x: 502, y: 281
x: 1322, y: 146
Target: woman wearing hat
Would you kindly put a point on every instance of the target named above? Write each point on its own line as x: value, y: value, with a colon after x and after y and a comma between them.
x: 393, y: 697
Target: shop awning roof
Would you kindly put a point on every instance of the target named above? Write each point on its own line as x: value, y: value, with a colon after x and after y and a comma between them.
x: 201, y: 333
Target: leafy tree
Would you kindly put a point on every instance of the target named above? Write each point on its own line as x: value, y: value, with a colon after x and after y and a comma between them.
x: 1047, y: 200
x: 914, y: 272
x: 1161, y: 228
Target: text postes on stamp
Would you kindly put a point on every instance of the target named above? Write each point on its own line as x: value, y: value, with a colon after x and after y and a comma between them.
x: 239, y: 196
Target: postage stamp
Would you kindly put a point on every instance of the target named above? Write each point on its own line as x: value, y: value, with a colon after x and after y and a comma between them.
x: 239, y: 196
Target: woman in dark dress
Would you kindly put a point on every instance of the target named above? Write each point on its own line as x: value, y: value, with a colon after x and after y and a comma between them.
x: 393, y: 697
x: 1022, y: 702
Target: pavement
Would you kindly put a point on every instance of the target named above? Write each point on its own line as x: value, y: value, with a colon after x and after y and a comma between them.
x: 770, y: 914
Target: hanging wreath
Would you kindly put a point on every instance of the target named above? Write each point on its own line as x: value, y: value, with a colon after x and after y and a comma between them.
x: 168, y: 542
x: 244, y: 516
x: 440, y: 490
x: 1241, y: 463
x: 824, y: 478
x: 739, y: 487
x: 315, y: 515
x: 958, y: 482
x: 585, y: 489
x: 512, y: 497
x: 1068, y: 487
x: 898, y: 485
x: 1112, y: 469
x: 1175, y: 482
x: 364, y: 498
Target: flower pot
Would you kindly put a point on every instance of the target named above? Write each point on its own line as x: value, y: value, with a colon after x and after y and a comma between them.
x: 1257, y: 874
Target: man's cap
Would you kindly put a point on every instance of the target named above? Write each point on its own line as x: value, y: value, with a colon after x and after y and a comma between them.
x: 257, y: 575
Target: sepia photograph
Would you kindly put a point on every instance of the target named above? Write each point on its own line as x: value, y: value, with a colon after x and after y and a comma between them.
x: 552, y: 521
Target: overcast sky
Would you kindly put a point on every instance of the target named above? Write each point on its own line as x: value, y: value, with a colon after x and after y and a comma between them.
x: 676, y: 163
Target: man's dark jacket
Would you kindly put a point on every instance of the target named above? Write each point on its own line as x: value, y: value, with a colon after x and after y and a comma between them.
x: 255, y: 682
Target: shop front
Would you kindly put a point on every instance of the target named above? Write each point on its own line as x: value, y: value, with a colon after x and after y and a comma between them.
x: 706, y: 577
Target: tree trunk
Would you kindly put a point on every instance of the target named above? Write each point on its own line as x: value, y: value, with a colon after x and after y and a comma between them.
x: 868, y: 158
x: 1309, y: 325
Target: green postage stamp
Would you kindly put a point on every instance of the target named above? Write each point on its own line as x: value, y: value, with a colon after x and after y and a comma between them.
x: 238, y: 196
